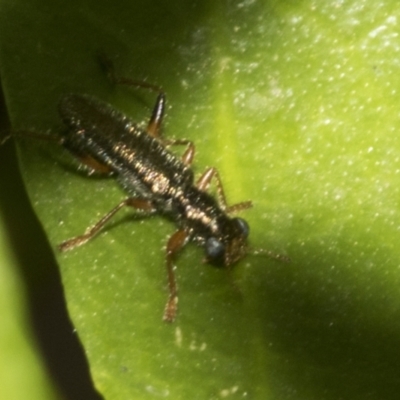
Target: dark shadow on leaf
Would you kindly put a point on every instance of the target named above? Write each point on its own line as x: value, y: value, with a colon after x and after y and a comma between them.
x: 336, y: 346
x: 59, y: 345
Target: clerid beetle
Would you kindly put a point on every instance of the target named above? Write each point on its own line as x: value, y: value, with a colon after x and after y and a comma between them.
x: 155, y: 179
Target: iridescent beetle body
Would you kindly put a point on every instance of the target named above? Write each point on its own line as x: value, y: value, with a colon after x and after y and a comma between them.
x: 156, y: 180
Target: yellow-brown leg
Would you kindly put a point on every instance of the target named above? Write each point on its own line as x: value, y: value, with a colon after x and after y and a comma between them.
x: 204, y: 182
x: 175, y: 243
x: 139, y: 204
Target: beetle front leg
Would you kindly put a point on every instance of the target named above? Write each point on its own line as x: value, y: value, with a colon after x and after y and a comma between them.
x: 174, y: 245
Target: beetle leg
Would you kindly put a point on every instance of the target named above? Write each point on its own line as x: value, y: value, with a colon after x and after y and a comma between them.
x: 154, y: 130
x: 243, y: 205
x: 93, y: 165
x: 139, y: 204
x: 157, y: 115
x: 175, y: 243
x: 88, y: 161
x: 188, y: 155
x: 204, y: 182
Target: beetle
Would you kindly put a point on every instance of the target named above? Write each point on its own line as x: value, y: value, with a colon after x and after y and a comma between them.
x: 155, y: 179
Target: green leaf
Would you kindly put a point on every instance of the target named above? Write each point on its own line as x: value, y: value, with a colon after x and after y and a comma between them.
x: 22, y: 375
x: 296, y: 104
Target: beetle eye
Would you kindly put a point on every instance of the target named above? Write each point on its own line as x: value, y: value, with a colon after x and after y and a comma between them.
x: 243, y: 226
x: 214, y: 248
